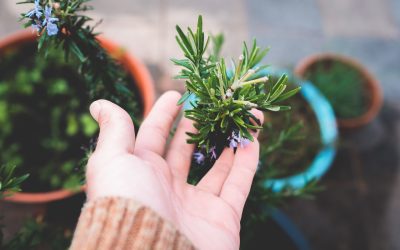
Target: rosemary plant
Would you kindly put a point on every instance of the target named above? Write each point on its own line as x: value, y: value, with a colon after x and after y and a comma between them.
x: 61, y: 24
x: 8, y: 185
x: 222, y: 98
x: 8, y: 182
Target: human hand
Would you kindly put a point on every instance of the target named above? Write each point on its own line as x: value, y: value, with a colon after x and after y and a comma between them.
x: 144, y: 170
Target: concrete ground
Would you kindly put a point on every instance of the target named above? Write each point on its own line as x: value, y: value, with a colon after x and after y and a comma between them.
x: 361, y: 204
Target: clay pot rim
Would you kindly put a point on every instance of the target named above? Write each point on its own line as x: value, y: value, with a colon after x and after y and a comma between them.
x: 372, y: 85
x: 138, y: 72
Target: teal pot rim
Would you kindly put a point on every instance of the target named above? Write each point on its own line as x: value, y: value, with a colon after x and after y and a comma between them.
x: 329, y: 135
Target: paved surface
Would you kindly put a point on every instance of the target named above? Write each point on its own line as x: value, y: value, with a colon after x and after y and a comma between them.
x: 361, y: 205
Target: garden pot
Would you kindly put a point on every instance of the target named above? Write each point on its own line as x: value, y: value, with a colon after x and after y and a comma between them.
x: 371, y: 87
x: 134, y: 67
x: 328, y: 135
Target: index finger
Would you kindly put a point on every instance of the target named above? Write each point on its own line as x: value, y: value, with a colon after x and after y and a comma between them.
x: 155, y: 129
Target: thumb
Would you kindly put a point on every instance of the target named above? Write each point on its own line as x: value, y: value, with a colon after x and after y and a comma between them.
x: 117, y: 133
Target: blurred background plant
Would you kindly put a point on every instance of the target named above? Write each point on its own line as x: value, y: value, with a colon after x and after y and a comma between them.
x: 9, y: 182
x: 290, y: 140
x: 342, y: 84
x: 62, y: 25
x: 52, y: 97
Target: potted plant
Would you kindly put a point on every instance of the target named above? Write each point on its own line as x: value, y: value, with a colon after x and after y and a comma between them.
x: 353, y: 91
x: 45, y: 97
x: 297, y: 148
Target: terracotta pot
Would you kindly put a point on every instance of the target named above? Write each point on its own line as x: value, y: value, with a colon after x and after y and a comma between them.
x: 138, y: 72
x: 372, y: 86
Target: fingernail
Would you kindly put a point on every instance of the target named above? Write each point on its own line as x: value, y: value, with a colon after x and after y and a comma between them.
x: 95, y: 108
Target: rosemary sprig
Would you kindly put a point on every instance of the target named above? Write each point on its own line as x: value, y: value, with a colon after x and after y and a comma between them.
x: 225, y: 97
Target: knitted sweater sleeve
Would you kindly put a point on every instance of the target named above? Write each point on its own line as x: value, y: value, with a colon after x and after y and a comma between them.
x: 121, y: 223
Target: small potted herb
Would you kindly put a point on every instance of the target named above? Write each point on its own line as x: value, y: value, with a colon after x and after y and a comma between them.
x: 44, y: 97
x: 353, y: 91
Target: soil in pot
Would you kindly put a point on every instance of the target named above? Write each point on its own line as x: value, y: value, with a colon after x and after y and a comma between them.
x: 46, y: 129
x: 289, y: 140
x: 342, y: 84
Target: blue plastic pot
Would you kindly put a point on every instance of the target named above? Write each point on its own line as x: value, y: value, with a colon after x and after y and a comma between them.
x: 329, y: 133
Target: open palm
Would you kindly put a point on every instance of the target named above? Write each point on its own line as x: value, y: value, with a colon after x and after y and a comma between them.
x: 146, y: 170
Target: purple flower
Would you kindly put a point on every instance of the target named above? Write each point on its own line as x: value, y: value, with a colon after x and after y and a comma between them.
x: 232, y: 143
x: 199, y: 157
x: 37, y: 11
x: 49, y: 21
x: 52, y: 29
x: 244, y: 142
x: 236, y: 139
x: 47, y: 16
x: 37, y: 27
